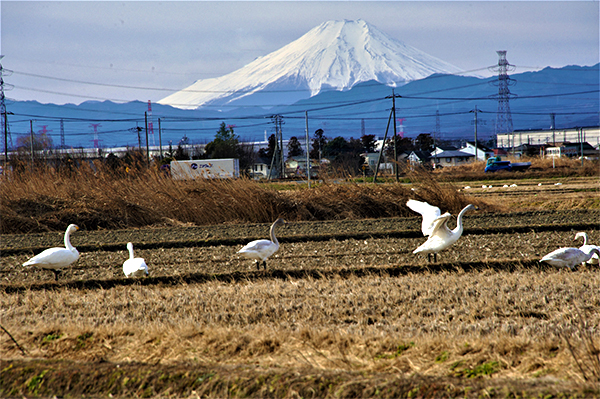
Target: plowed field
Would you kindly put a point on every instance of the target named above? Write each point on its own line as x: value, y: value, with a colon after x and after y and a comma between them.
x: 344, y: 309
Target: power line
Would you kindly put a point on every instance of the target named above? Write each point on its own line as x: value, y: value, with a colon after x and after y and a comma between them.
x: 215, y: 91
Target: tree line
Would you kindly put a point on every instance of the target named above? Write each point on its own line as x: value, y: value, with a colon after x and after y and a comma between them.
x: 344, y: 155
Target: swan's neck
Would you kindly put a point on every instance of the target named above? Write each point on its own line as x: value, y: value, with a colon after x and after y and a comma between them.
x: 272, y: 234
x: 68, y: 241
x: 584, y: 235
x: 131, y: 256
x: 459, y: 224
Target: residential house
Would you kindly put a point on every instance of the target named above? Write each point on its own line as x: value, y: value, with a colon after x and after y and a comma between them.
x: 572, y: 150
x: 371, y: 159
x: 483, y: 152
x: 417, y: 157
x: 441, y: 148
x: 296, y: 167
x: 260, y: 168
x: 530, y: 150
x: 453, y: 158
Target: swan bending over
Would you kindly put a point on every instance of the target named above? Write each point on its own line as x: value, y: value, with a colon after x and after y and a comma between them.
x: 260, y: 250
x: 55, y: 259
x: 134, y: 267
x: 436, y: 227
x: 594, y: 260
x: 568, y: 257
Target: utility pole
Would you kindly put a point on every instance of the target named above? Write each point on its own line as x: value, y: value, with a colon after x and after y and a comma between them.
x: 553, y: 127
x: 581, y: 142
x: 138, y: 130
x: 147, y: 147
x: 281, y: 146
x: 475, y: 111
x: 393, y: 113
x: 160, y: 139
x: 395, y: 137
x: 277, y: 158
x: 382, y: 149
x: 31, y: 143
x: 5, y: 117
x: 307, y: 150
x: 436, y: 133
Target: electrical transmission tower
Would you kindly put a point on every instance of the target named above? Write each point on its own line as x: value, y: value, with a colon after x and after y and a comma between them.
x: 503, y: 117
x: 62, y: 134
x: 3, y: 114
x: 96, y: 140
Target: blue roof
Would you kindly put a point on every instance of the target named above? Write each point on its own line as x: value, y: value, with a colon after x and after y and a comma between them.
x: 453, y: 154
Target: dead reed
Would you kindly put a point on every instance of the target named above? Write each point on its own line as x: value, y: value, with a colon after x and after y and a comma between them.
x: 96, y: 197
x: 541, y: 168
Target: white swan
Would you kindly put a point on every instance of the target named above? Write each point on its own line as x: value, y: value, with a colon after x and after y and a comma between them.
x: 55, y: 259
x: 134, y: 267
x: 594, y: 260
x: 440, y: 236
x: 429, y: 213
x: 568, y: 257
x: 260, y: 250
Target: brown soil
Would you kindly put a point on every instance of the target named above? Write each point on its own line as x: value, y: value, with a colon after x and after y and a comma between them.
x: 343, y: 310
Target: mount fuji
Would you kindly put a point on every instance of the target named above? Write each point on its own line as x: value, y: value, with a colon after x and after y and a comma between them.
x: 336, y: 55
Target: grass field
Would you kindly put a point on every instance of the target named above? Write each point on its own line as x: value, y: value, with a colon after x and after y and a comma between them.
x: 343, y: 310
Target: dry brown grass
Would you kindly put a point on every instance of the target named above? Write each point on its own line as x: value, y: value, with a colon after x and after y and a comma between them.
x: 541, y: 168
x: 434, y: 324
x: 97, y: 198
x: 332, y: 334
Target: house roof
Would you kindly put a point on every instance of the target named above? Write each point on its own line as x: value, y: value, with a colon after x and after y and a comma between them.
x: 481, y: 147
x: 298, y: 158
x: 446, y: 147
x: 422, y: 155
x: 265, y: 161
x: 586, y: 145
x: 454, y: 154
x: 525, y: 146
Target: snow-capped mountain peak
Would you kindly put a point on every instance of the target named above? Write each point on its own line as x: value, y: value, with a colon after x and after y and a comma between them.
x: 334, y: 55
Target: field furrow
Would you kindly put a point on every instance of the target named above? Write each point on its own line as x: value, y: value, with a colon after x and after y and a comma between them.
x: 344, y: 309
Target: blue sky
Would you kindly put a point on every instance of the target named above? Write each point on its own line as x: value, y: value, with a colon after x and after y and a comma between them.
x: 70, y: 52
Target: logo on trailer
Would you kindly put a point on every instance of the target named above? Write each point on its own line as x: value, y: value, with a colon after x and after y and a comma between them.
x: 201, y: 166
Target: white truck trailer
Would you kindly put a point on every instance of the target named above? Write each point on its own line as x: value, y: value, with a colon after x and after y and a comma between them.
x: 205, y: 169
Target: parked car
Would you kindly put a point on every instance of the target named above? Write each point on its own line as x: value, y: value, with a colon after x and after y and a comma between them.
x: 495, y: 164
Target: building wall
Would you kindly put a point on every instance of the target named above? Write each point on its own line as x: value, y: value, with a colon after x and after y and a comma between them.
x: 591, y: 135
x: 452, y: 161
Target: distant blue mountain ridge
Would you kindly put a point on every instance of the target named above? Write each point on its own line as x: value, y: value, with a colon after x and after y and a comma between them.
x: 572, y: 93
